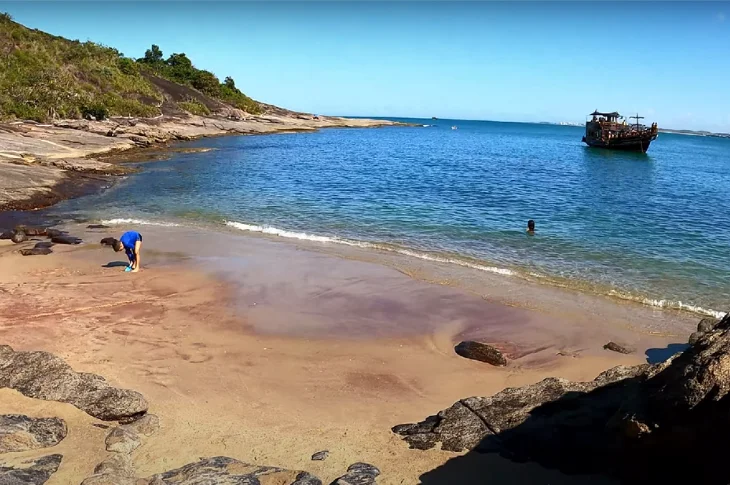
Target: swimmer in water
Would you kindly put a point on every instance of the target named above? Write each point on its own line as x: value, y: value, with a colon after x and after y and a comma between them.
x: 531, y: 227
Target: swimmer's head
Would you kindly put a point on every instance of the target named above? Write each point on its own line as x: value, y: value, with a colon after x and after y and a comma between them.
x: 531, y: 225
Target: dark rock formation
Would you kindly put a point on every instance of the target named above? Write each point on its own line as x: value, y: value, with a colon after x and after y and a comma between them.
x: 321, y: 455
x: 21, y: 433
x: 6, y: 235
x: 43, y: 244
x: 613, y: 346
x: 44, y: 376
x: 122, y: 440
x: 18, y: 237
x: 37, y: 473
x: 705, y: 325
x: 663, y: 423
x: 64, y: 239
x: 31, y: 231
x: 36, y: 252
x: 221, y: 469
x: 695, y: 337
x: 358, y: 474
x: 97, y: 226
x: 54, y: 233
x: 482, y: 352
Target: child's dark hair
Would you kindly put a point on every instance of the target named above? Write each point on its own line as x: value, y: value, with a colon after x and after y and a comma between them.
x: 531, y: 225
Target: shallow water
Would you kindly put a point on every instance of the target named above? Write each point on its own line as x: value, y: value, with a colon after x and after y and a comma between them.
x: 651, y: 227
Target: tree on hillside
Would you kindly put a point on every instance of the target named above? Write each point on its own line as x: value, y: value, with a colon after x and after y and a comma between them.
x: 229, y: 82
x: 5, y: 17
x: 152, y: 55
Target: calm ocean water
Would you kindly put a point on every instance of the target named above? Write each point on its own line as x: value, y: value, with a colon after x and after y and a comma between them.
x: 650, y: 227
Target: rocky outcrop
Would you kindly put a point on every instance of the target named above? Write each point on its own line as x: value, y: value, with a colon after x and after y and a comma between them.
x: 359, y: 474
x: 37, y: 473
x: 221, y: 469
x: 481, y: 352
x: 663, y: 423
x: 18, y: 237
x: 44, y: 376
x: 21, y: 433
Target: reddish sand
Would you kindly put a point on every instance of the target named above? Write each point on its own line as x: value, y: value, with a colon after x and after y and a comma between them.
x: 273, y: 353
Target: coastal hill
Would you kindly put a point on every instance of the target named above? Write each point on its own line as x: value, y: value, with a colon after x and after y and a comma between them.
x: 48, y: 77
x: 63, y: 102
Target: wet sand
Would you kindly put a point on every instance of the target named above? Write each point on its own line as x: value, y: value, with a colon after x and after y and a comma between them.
x: 268, y: 352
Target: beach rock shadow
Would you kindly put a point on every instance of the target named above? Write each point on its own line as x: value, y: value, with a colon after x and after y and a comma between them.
x: 657, y: 356
x: 115, y: 264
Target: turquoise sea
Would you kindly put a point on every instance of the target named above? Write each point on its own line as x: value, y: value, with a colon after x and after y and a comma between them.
x: 649, y: 227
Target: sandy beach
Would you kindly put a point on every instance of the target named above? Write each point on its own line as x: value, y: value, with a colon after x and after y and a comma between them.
x: 268, y: 352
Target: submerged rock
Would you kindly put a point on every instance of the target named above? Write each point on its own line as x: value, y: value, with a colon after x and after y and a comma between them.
x: 224, y: 470
x: 37, y: 473
x: 658, y: 423
x: 358, y: 474
x: 97, y: 226
x: 36, y: 252
x: 613, y: 346
x: 482, y: 352
x: 6, y: 235
x: 21, y: 433
x: 42, y: 375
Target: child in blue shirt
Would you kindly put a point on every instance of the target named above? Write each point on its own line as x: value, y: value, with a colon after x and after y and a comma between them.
x: 131, y: 242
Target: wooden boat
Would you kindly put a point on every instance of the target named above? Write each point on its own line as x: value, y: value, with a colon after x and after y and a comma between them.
x: 611, y: 131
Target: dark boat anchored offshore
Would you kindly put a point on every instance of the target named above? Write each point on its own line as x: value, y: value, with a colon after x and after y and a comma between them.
x: 610, y: 130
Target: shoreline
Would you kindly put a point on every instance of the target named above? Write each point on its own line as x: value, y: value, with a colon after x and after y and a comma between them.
x: 45, y: 163
x: 243, y: 353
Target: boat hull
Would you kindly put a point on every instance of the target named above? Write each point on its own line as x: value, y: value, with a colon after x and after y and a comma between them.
x: 638, y: 144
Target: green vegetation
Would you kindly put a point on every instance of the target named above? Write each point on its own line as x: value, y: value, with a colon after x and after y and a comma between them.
x: 180, y: 69
x: 43, y: 76
x: 195, y: 107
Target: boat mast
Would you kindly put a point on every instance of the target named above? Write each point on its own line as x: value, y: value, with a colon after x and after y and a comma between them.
x: 637, y: 120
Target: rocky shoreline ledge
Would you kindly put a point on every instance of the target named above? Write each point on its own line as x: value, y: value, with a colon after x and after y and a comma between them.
x: 42, y: 164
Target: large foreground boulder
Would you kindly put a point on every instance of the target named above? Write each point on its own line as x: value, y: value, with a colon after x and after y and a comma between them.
x: 664, y: 423
x: 44, y: 376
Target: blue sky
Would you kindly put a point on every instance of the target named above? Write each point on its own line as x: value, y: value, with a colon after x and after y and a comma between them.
x: 542, y: 61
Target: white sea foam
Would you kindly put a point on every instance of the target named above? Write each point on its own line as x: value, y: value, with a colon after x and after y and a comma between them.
x: 668, y: 304
x: 138, y: 221
x: 361, y: 244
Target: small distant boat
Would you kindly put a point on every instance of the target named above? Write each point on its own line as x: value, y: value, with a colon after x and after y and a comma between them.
x: 453, y: 127
x: 611, y: 131
x: 434, y: 118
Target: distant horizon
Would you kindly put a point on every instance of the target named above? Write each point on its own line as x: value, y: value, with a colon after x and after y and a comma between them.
x: 577, y: 124
x: 514, y: 62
